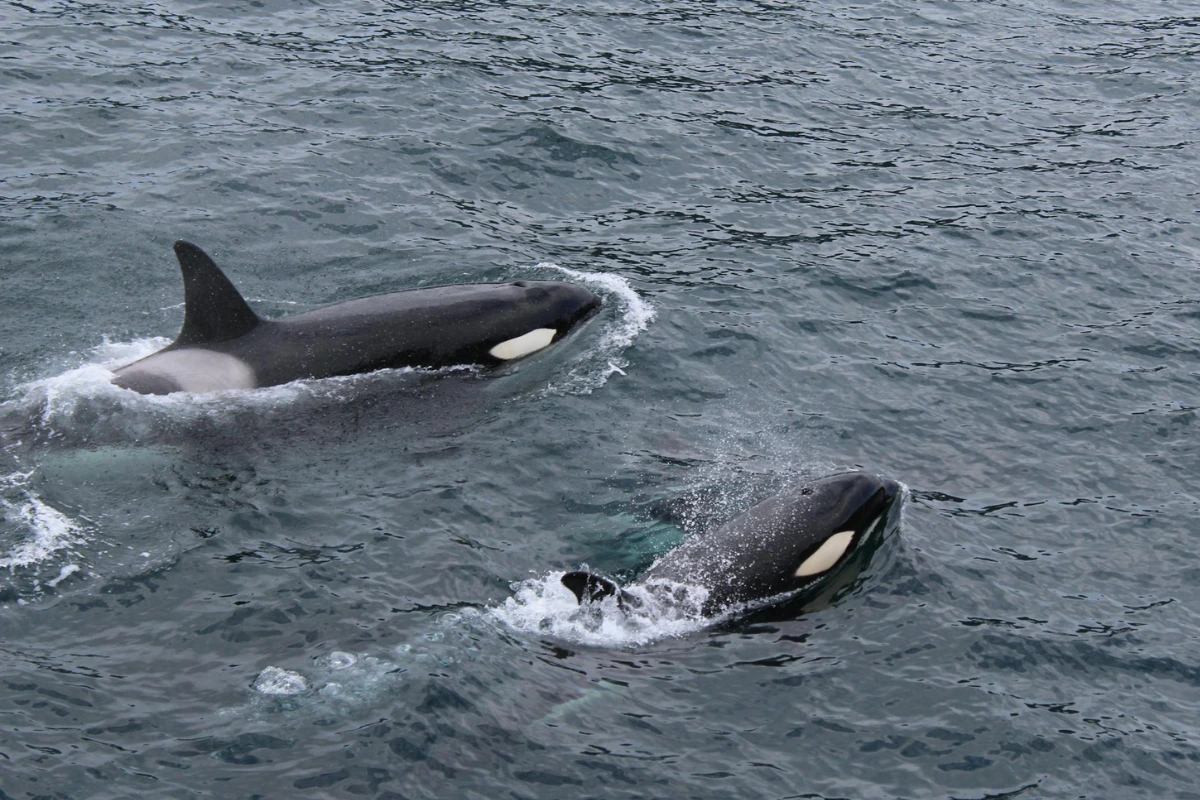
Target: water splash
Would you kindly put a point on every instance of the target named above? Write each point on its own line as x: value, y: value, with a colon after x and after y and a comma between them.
x: 543, y: 606
x: 42, y: 530
x: 603, y: 361
x: 56, y: 405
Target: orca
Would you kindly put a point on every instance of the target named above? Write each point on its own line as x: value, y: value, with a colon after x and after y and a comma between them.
x: 224, y: 345
x: 787, y: 546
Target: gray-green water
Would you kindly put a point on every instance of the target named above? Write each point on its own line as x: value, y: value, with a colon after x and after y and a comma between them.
x: 951, y: 242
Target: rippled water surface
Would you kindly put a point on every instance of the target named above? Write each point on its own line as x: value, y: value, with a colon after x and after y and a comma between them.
x: 954, y: 243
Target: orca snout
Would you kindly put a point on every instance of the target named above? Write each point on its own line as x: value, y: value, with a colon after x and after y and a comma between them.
x: 890, y: 490
x: 857, y: 499
x: 587, y: 303
x: 570, y: 302
x: 881, y: 505
x: 883, y: 494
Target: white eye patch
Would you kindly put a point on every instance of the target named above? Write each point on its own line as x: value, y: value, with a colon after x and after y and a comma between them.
x: 827, y: 554
x: 523, y: 345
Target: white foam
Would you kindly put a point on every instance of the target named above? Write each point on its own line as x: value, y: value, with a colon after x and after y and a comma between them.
x: 63, y: 574
x: 277, y: 682
x: 543, y: 606
x: 337, y: 683
x: 605, y: 360
x: 57, y: 397
x: 46, y: 530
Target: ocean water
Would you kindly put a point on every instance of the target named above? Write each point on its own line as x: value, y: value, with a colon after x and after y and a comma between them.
x: 951, y: 242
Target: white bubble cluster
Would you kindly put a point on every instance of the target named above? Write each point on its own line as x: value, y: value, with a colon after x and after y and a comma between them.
x: 277, y: 682
x: 337, y: 660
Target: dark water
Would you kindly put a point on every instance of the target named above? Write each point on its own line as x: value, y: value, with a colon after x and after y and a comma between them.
x: 952, y: 242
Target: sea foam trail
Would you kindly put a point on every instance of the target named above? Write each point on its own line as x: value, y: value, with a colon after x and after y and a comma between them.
x: 39, y: 545
x: 79, y: 412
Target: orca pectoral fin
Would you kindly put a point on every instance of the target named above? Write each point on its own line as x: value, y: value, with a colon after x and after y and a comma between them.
x: 588, y: 587
x: 591, y: 588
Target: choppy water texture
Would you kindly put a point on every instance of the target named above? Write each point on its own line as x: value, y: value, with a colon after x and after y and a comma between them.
x: 951, y: 242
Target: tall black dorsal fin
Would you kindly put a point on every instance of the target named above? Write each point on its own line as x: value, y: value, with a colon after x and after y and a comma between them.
x: 213, y: 310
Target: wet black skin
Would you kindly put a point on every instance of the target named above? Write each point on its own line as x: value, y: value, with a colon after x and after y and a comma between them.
x: 433, y: 327
x: 755, y: 556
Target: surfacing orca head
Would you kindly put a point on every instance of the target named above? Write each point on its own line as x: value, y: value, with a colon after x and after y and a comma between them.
x: 785, y: 547
x: 842, y: 511
x: 559, y: 307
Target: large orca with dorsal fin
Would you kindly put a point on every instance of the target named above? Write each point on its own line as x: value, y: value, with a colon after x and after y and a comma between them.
x: 787, y: 546
x: 224, y: 345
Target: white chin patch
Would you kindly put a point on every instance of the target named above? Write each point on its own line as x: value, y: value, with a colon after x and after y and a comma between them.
x: 196, y: 370
x: 827, y: 554
x: 523, y: 345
